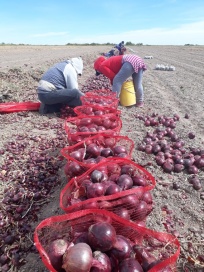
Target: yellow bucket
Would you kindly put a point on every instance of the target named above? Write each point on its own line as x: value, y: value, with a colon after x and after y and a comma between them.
x: 127, y: 94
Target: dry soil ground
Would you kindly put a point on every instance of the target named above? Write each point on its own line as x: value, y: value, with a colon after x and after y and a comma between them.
x: 166, y: 93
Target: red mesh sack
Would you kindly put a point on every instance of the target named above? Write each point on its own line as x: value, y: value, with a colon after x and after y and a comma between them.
x: 104, y: 143
x: 132, y: 202
x: 164, y: 248
x: 110, y: 102
x: 95, y: 110
x: 19, y: 106
x: 102, y: 92
x: 80, y: 127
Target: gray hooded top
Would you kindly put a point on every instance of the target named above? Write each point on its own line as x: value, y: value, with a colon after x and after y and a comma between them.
x: 62, y: 75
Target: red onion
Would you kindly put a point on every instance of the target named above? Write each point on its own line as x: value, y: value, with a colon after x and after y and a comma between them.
x: 168, y: 167
x: 121, y: 249
x: 93, y: 150
x: 139, y: 181
x: 78, y: 258
x: 101, y: 236
x: 146, y: 259
x: 82, y: 238
x: 191, y: 135
x: 96, y: 176
x: 130, y: 201
x: 95, y: 190
x: 125, y: 182
x: 178, y: 168
x: 113, y: 168
x: 85, y: 121
x: 127, y: 169
x: 130, y: 265
x: 73, y: 169
x: 147, y: 197
x: 77, y: 155
x: 106, y: 152
x: 123, y: 212
x: 192, y: 169
x: 101, y: 262
x: 140, y: 211
x: 112, y: 189
x: 109, y: 142
x: 119, y: 149
x: 57, y: 248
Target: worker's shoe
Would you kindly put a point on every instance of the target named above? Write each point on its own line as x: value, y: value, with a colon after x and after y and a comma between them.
x: 139, y: 105
x: 43, y: 109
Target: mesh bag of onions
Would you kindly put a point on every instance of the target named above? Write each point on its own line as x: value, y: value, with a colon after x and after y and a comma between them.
x: 95, y: 110
x: 81, y: 127
x: 96, y: 240
x: 117, y: 185
x: 102, y: 92
x: 99, y: 100
x: 98, y: 148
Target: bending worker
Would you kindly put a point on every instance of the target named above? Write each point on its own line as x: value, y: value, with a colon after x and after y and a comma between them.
x: 59, y: 85
x: 119, y: 68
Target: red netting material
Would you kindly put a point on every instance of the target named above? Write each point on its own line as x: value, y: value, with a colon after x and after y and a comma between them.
x: 99, y: 100
x: 102, y: 92
x: 73, y: 196
x: 165, y: 247
x: 81, y: 127
x: 101, y: 140
x: 19, y: 106
x: 95, y: 110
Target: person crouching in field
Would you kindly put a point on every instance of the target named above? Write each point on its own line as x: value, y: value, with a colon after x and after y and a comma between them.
x: 59, y: 85
x: 119, y: 68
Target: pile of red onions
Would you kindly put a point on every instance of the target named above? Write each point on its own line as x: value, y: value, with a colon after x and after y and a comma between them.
x: 95, y: 83
x: 99, y: 100
x: 168, y: 148
x: 80, y: 128
x: 90, y: 152
x: 101, y: 248
x: 92, y: 110
x: 110, y: 179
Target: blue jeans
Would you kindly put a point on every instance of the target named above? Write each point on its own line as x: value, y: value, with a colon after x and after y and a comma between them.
x: 62, y: 96
x: 125, y: 72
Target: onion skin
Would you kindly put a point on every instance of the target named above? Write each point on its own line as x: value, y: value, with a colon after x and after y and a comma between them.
x: 78, y: 258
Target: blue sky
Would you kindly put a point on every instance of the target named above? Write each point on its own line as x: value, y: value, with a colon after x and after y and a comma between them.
x: 58, y: 22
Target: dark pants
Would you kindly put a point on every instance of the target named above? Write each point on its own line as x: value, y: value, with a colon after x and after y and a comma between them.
x: 55, y: 99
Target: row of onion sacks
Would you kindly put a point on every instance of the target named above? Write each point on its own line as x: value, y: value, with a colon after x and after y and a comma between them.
x: 106, y: 193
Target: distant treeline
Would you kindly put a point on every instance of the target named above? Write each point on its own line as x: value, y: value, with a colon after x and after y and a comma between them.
x: 87, y: 44
x: 81, y: 44
x: 109, y: 44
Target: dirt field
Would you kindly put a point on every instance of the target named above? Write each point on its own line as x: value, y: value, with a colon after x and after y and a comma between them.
x: 167, y: 93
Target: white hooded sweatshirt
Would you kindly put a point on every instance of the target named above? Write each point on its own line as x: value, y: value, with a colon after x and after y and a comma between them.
x: 62, y: 75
